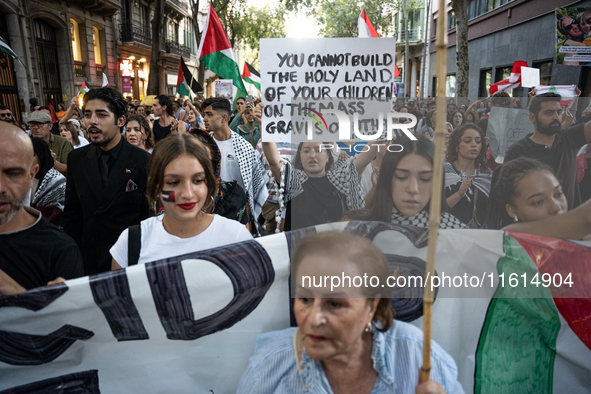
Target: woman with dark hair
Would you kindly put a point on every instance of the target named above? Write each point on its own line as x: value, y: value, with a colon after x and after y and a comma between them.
x: 139, y: 133
x: 467, y: 178
x: 181, y: 181
x: 61, y: 111
x: 346, y: 340
x: 403, y: 189
x: 428, y: 130
x: 70, y: 132
x: 469, y: 117
x: 457, y: 119
x: 167, y: 123
x: 319, y: 190
x: 48, y: 192
x: 524, y: 190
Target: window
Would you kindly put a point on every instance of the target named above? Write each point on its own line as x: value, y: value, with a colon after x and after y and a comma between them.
x: 451, y: 20
x: 450, y: 85
x: 485, y: 82
x: 96, y: 42
x: 434, y: 31
x: 545, y: 71
x: 480, y: 7
x: 76, y: 47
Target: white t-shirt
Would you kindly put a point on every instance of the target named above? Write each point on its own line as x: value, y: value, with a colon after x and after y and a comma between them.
x: 230, y: 169
x: 158, y: 244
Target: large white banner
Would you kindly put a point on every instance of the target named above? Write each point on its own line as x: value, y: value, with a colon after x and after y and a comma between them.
x: 188, y: 324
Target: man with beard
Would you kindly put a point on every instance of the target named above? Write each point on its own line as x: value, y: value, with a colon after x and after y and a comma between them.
x: 553, y: 146
x: 106, y: 187
x: 34, y: 252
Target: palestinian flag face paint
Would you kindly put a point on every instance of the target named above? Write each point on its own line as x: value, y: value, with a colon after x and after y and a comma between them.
x: 168, y: 196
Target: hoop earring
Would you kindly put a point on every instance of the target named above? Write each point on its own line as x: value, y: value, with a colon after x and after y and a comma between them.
x: 209, y: 206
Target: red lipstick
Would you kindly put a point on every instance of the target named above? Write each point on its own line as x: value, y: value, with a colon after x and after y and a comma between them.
x: 187, y: 206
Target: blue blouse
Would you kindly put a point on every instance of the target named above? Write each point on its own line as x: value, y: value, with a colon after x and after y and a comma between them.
x: 397, y: 358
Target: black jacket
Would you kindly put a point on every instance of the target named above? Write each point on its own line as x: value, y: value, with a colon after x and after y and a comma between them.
x: 95, y: 217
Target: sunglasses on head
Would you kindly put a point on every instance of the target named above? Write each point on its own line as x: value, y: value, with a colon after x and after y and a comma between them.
x: 569, y: 27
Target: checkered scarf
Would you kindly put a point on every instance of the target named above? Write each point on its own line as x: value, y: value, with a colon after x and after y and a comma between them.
x: 51, y: 191
x: 343, y: 176
x: 253, y: 173
x: 482, y: 179
x: 421, y: 220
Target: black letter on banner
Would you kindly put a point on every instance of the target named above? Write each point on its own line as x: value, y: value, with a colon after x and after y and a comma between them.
x: 35, y: 299
x: 85, y: 382
x: 26, y: 349
x: 250, y: 270
x: 111, y: 293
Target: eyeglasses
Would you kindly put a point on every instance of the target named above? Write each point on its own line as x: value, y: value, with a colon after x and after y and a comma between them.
x: 36, y: 125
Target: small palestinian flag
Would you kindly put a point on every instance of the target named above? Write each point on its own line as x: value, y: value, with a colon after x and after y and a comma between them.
x: 251, y: 75
x: 185, y: 78
x: 84, y: 88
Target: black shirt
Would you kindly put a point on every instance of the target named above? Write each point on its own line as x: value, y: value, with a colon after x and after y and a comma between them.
x: 39, y: 254
x: 159, y: 131
x: 464, y: 208
x: 561, y: 157
x: 114, y: 152
x: 319, y: 203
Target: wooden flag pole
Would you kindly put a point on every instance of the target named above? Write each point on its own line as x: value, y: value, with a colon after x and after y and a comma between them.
x: 191, y: 84
x: 435, y: 207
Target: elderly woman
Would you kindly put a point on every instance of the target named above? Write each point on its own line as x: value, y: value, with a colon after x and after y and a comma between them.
x: 346, y: 340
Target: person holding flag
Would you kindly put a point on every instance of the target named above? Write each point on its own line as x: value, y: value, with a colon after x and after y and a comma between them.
x: 251, y: 75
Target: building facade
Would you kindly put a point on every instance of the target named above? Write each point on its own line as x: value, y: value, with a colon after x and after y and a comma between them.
x: 61, y: 44
x: 501, y: 32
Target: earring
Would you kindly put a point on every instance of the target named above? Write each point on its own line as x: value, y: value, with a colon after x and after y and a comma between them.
x: 368, y: 328
x: 210, y: 205
x: 515, y: 219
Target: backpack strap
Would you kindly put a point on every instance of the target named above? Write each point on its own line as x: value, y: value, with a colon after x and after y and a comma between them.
x: 134, y: 244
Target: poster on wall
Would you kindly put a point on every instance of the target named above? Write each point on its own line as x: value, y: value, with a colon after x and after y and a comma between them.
x: 573, y: 36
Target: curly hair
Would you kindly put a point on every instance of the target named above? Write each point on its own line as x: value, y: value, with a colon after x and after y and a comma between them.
x: 453, y: 143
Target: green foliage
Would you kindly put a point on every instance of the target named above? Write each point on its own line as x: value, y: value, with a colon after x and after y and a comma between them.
x: 251, y: 24
x: 338, y: 18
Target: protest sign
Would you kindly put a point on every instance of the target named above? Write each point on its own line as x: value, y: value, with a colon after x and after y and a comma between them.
x: 188, y: 324
x: 321, y: 68
x: 505, y: 127
x: 223, y: 88
x: 530, y: 77
x: 573, y: 36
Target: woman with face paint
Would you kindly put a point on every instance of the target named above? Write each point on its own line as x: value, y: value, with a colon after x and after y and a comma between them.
x: 182, y: 183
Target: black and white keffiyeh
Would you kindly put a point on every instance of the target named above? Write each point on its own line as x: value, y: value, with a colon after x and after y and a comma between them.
x: 482, y: 179
x: 343, y: 176
x: 253, y: 173
x: 51, y: 191
x: 421, y: 220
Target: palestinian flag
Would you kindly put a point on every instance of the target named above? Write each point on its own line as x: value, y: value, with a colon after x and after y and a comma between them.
x: 251, y: 75
x: 216, y: 53
x: 184, y: 79
x: 84, y: 88
x: 6, y: 49
x: 365, y: 27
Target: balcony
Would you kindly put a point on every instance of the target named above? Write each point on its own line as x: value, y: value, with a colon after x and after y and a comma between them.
x: 174, y: 48
x: 414, y: 35
x: 100, y: 7
x: 135, y: 33
x: 177, y: 8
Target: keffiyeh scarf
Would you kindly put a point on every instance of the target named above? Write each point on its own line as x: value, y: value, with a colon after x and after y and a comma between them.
x: 343, y: 176
x: 51, y: 191
x: 482, y: 179
x: 421, y: 220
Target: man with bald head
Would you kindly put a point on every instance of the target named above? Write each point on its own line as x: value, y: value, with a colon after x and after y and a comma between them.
x: 34, y: 252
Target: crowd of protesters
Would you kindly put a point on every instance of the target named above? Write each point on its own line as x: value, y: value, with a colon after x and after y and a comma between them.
x: 113, y: 183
